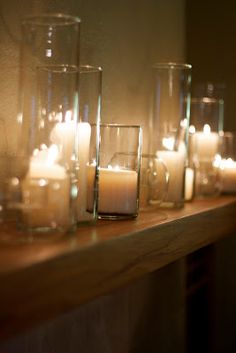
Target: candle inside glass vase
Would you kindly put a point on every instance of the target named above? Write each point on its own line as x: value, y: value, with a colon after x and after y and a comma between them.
x: 49, y: 189
x: 117, y: 190
x: 207, y: 123
x: 119, y: 171
x: 175, y: 163
x: 169, y: 124
x: 46, y: 191
x: 228, y: 173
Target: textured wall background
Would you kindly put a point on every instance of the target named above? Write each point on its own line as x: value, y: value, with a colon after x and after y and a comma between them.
x: 124, y: 37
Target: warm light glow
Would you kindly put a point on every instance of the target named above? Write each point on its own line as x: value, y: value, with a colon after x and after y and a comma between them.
x: 47, y: 155
x: 52, y: 155
x: 228, y: 163
x: 68, y: 116
x: 206, y: 129
x: 184, y: 123
x: 42, y: 182
x: 192, y: 129
x: 168, y: 143
x: 93, y: 163
x: 43, y: 146
x: 217, y: 161
x: 48, y: 53
x: 19, y: 118
x: 113, y: 168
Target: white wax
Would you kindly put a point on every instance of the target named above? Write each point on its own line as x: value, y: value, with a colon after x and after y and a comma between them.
x: 63, y: 135
x: 117, y: 190
x: 189, y: 184
x: 174, y: 161
x: 84, y: 134
x: 205, y: 145
x: 46, y: 195
x: 43, y: 170
x: 229, y: 176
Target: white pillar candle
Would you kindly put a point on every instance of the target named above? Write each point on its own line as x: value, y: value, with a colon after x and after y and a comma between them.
x: 174, y: 161
x: 117, y: 190
x: 205, y: 144
x: 63, y: 135
x: 84, y: 135
x: 228, y: 168
x: 189, y: 184
x: 46, y: 191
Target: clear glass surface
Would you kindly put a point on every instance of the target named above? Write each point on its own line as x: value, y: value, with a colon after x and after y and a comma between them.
x: 169, y: 124
x: 119, y: 171
x: 90, y: 101
x: 206, y: 124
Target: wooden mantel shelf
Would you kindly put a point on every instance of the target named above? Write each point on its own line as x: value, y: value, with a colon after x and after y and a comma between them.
x: 41, y: 280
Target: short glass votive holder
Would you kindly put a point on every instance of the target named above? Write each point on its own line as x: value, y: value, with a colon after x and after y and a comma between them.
x: 169, y: 124
x: 119, y: 171
x: 154, y: 179
x: 206, y: 124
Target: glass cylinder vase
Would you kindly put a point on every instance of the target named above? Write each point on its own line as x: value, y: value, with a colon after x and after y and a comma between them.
x: 227, y: 162
x: 48, y: 114
x: 169, y: 124
x: 49, y: 189
x: 119, y: 171
x: 206, y: 124
x: 90, y: 100
x: 47, y: 40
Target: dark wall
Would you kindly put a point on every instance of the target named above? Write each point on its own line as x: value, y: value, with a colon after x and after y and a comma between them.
x: 211, y: 47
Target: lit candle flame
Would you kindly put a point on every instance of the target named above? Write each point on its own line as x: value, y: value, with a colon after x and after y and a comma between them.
x: 52, y: 154
x: 227, y: 163
x: 68, y: 116
x: 116, y: 167
x: 48, y: 155
x: 168, y: 143
x: 192, y: 129
x: 206, y: 129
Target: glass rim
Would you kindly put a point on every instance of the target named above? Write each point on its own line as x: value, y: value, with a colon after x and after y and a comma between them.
x: 227, y: 134
x: 89, y: 68
x: 207, y: 100
x: 171, y: 65
x: 120, y: 125
x: 150, y: 155
x: 53, y: 19
x: 60, y: 69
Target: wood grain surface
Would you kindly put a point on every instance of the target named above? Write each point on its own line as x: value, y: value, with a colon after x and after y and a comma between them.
x: 42, y: 279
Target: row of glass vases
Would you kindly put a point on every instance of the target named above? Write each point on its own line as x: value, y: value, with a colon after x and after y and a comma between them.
x: 56, y: 133
x: 63, y: 155
x: 60, y: 147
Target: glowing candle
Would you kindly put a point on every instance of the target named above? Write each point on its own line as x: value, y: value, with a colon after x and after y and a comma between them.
x: 189, y: 184
x: 63, y: 135
x: 228, y: 168
x: 117, y: 190
x: 206, y: 144
x: 46, y: 191
x: 174, y: 161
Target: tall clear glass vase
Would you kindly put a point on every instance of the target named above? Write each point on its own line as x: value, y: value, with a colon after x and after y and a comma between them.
x: 169, y: 124
x: 90, y: 101
x: 47, y: 121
